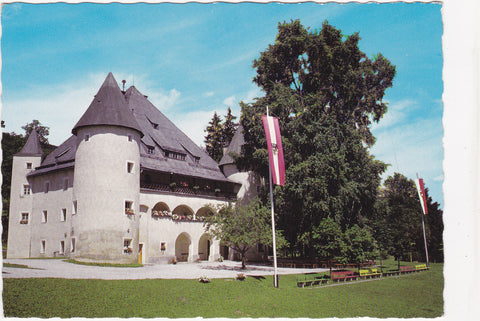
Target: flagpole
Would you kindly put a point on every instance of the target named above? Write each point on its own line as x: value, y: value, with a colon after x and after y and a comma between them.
x: 274, y: 245
x: 424, y: 235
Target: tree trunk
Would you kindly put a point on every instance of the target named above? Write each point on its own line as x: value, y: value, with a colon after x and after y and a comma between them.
x: 244, y: 266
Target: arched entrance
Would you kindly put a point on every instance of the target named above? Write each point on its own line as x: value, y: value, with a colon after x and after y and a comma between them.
x: 182, y: 247
x: 204, y: 247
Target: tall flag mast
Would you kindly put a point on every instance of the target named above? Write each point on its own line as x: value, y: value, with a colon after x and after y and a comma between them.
x: 423, y: 202
x: 276, y: 170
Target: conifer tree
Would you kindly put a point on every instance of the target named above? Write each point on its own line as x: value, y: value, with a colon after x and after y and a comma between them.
x: 214, y: 138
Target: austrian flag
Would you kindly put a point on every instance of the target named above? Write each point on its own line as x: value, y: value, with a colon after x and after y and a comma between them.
x: 421, y: 194
x: 275, y: 151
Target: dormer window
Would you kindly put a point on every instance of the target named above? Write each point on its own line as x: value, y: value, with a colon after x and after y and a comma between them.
x: 175, y: 155
x: 63, y: 153
x: 196, y: 160
x: 87, y: 137
x: 28, y: 165
x: 150, y: 150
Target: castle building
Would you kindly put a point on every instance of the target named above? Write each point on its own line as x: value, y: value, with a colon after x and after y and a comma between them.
x: 127, y: 186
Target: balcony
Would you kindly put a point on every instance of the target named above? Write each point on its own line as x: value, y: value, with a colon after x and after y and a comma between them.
x: 189, y: 191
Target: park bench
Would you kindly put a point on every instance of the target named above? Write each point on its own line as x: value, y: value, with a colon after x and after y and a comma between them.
x: 370, y: 273
x: 318, y: 280
x: 406, y: 269
x: 421, y: 267
x: 343, y: 276
x: 391, y: 273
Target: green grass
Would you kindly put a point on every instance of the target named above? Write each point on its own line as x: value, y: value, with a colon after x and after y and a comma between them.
x: 414, y: 295
x: 104, y: 264
x: 12, y: 265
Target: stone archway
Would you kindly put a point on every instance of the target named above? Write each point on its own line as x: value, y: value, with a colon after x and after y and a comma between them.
x: 204, y: 212
x: 183, y: 212
x: 160, y: 206
x: 204, y: 247
x: 183, y: 246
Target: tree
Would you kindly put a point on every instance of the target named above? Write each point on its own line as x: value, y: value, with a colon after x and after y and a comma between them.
x: 42, y: 131
x: 242, y: 227
x: 360, y: 245
x: 229, y: 128
x: 399, y: 212
x: 328, y: 241
x: 326, y: 93
x: 214, y: 138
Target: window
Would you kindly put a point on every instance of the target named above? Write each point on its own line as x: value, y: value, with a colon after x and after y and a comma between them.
x: 44, y: 216
x: 175, y: 155
x: 26, y: 189
x: 46, y: 187
x: 150, y: 150
x: 73, y: 245
x: 24, y: 219
x: 43, y: 246
x: 130, y: 166
x: 62, y: 247
x: 196, y: 160
x: 129, y: 208
x: 87, y: 137
x: 28, y: 165
x: 65, y: 183
x: 74, y: 208
x: 127, y: 246
x: 130, y: 138
x: 163, y: 247
x: 63, y: 215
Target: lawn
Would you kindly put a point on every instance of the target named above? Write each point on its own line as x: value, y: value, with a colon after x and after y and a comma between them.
x: 409, y: 296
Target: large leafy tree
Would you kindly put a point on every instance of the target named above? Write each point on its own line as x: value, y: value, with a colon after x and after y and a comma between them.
x: 326, y: 93
x: 242, y: 227
x: 42, y: 131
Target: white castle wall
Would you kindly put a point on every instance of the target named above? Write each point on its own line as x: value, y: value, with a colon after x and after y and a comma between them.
x: 102, y: 184
x: 54, y: 230
x: 19, y: 234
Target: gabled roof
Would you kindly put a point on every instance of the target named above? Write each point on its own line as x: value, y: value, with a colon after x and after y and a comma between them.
x: 108, y: 107
x: 235, y: 147
x: 161, y: 133
x: 32, y: 146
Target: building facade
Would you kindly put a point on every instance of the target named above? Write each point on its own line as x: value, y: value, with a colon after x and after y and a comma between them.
x: 127, y: 186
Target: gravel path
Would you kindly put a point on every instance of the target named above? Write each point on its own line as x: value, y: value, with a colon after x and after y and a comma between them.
x: 39, y: 268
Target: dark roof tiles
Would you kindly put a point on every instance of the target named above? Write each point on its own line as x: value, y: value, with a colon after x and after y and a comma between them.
x: 108, y: 107
x: 32, y: 146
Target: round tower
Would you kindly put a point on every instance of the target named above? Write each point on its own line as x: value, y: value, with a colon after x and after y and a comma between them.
x: 106, y: 187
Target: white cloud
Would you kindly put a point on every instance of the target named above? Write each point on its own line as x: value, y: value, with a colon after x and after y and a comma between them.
x: 164, y: 100
x: 229, y: 101
x: 193, y: 123
x: 208, y: 94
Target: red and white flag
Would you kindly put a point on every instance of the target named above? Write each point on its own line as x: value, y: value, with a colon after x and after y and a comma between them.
x: 421, y: 194
x: 275, y: 150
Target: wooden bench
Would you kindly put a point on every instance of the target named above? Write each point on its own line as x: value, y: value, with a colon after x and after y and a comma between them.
x: 343, y: 276
x: 407, y: 269
x: 371, y: 273
x: 421, y: 267
x: 391, y: 273
x: 318, y: 280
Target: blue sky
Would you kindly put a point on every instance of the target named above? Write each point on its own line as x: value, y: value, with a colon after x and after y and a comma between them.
x: 194, y: 59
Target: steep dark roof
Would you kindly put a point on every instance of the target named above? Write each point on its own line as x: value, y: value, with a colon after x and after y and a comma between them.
x: 163, y: 135
x: 108, y: 107
x: 32, y: 146
x: 235, y: 147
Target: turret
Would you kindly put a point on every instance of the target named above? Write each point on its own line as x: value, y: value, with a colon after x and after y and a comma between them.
x: 20, y: 212
x: 107, y: 179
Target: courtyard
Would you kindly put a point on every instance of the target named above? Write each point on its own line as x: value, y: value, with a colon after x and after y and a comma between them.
x: 58, y: 268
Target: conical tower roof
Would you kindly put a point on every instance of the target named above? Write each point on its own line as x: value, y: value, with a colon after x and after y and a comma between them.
x: 235, y: 147
x: 32, y: 146
x: 108, y: 107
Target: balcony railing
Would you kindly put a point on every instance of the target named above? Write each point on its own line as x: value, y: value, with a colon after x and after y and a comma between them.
x: 187, y: 190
